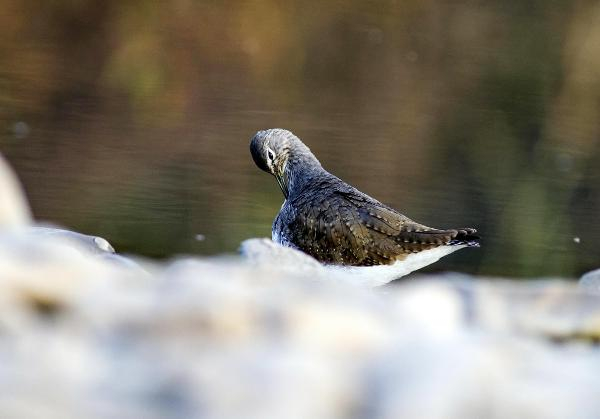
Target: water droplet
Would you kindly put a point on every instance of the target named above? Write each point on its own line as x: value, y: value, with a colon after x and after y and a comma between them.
x: 21, y: 130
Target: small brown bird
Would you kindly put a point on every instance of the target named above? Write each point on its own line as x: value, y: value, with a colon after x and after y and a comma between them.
x: 337, y: 224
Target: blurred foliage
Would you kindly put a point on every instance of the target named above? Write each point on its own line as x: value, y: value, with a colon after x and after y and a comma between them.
x: 131, y: 119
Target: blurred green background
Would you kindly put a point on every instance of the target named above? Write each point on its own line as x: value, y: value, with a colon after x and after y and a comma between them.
x: 131, y: 119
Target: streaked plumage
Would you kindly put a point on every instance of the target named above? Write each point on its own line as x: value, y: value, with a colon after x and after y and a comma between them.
x: 333, y: 221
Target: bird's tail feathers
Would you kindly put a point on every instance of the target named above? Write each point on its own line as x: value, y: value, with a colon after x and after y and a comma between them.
x: 465, y: 236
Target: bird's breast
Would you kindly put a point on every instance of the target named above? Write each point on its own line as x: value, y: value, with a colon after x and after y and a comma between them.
x: 280, y: 232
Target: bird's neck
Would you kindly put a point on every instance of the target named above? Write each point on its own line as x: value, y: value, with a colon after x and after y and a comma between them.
x: 300, y: 171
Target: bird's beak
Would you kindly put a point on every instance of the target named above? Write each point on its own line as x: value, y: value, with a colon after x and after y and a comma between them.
x: 282, y: 181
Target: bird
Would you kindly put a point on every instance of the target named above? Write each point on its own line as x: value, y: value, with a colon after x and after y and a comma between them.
x: 337, y: 224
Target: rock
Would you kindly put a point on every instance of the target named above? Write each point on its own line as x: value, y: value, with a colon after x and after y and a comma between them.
x: 93, y: 244
x: 267, y: 253
x: 230, y: 338
x: 590, y: 282
x: 14, y: 209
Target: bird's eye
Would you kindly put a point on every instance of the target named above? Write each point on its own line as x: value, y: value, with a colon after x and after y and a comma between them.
x: 270, y: 155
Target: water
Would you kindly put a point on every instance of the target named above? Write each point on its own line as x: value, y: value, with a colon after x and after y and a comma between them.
x: 132, y: 120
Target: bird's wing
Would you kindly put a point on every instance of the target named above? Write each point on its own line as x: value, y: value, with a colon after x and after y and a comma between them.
x: 353, y: 229
x: 329, y: 229
x: 399, y: 234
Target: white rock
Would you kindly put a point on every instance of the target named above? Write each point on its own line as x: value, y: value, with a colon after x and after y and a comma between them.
x: 93, y: 244
x: 14, y: 209
x: 590, y: 282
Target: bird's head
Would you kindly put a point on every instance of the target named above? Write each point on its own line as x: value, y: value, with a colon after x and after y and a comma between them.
x: 273, y: 149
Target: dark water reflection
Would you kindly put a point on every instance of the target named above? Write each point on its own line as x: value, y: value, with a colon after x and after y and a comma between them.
x: 131, y: 120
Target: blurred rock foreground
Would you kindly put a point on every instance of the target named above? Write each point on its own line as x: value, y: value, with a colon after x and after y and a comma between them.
x: 84, y: 337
